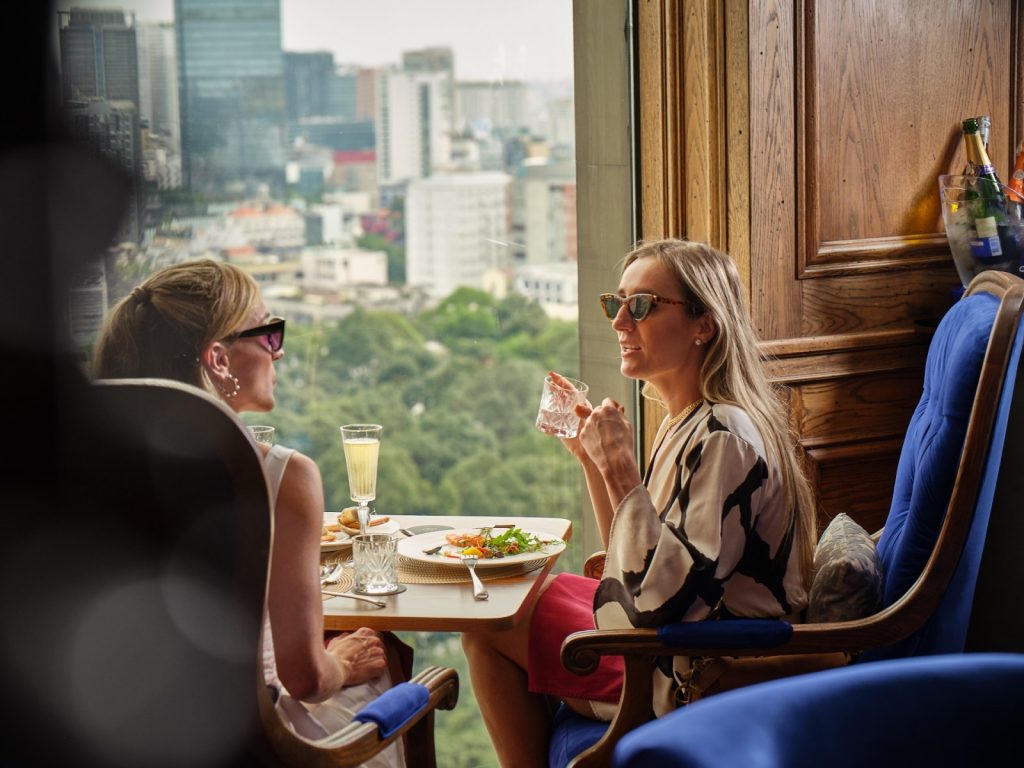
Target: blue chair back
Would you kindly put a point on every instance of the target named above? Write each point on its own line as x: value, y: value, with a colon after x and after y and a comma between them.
x: 958, y: 709
x: 928, y: 469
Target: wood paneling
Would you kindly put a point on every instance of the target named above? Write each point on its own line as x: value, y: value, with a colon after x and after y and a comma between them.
x: 829, y: 122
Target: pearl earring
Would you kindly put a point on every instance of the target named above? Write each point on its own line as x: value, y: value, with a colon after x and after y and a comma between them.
x: 235, y: 391
x: 698, y: 342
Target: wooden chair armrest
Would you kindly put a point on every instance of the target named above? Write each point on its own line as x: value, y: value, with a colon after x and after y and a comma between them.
x: 357, y: 742
x: 593, y: 568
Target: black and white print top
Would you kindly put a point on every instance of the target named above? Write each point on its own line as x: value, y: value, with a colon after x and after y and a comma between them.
x: 707, y: 529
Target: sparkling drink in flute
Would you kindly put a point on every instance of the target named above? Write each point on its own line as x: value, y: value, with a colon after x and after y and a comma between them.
x: 362, y: 447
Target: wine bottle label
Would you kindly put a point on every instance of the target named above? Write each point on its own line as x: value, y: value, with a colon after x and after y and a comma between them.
x: 984, y: 170
x: 987, y: 246
x: 987, y: 227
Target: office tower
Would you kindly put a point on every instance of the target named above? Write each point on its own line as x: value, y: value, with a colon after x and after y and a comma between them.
x: 456, y: 230
x: 111, y: 128
x: 413, y: 125
x: 498, y: 107
x: 343, y: 95
x: 543, y: 215
x: 98, y: 55
x: 307, y: 79
x: 231, y: 85
x: 366, y: 94
x: 158, y: 80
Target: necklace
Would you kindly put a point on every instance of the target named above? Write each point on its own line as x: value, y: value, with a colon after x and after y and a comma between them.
x: 683, y: 413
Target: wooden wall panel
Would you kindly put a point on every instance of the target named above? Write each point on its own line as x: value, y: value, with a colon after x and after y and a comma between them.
x: 831, y: 143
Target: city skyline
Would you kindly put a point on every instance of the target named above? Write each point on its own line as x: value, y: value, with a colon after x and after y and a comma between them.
x: 496, y: 41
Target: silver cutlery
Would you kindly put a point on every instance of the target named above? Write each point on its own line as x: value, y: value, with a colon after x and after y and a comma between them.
x: 433, y: 550
x: 479, y: 592
x: 371, y: 600
x: 330, y: 574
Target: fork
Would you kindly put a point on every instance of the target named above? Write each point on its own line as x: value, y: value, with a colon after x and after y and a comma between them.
x: 478, y: 588
x: 330, y: 574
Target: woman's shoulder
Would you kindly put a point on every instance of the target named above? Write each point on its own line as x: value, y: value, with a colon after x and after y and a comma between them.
x: 736, y: 421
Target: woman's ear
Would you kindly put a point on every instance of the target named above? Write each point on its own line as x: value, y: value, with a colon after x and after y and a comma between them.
x: 707, y: 328
x: 215, y: 359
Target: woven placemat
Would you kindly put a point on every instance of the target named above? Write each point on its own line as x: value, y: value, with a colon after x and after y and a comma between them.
x: 416, y: 572
x: 343, y: 584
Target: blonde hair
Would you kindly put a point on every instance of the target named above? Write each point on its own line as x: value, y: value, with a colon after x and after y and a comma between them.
x: 161, y: 329
x: 733, y: 371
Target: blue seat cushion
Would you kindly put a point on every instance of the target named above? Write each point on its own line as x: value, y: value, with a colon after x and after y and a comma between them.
x: 570, y: 735
x: 931, y: 450
x: 956, y: 709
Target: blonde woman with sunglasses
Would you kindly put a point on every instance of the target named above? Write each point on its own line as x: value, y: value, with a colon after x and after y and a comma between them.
x: 721, y: 525
x: 205, y: 323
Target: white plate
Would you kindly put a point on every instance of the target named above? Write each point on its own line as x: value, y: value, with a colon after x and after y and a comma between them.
x: 413, y: 547
x: 343, y: 538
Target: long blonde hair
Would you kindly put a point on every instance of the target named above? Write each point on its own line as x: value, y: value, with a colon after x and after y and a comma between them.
x: 733, y: 371
x: 162, y: 327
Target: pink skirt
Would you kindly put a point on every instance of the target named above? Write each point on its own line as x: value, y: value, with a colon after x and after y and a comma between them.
x: 567, y: 606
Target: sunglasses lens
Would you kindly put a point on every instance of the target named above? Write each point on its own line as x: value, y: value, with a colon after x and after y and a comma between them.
x: 611, y: 305
x: 639, y: 306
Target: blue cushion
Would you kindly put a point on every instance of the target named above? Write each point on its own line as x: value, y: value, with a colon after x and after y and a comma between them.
x: 570, y: 735
x: 931, y: 449
x: 939, y: 710
x: 735, y: 633
x: 395, y: 707
x: 946, y: 630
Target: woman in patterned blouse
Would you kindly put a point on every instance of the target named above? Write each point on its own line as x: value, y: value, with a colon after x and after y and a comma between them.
x: 721, y: 525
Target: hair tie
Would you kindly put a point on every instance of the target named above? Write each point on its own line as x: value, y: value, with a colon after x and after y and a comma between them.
x: 141, y: 294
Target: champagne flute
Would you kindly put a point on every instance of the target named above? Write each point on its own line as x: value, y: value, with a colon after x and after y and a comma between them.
x: 362, y: 446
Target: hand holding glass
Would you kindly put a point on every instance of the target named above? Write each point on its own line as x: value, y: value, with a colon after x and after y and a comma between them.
x: 362, y: 446
x: 557, y: 414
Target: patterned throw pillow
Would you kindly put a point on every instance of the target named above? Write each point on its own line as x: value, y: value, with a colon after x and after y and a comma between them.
x: 847, y: 574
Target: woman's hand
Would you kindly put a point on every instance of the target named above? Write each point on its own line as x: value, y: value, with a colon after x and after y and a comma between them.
x: 360, y: 654
x: 582, y: 410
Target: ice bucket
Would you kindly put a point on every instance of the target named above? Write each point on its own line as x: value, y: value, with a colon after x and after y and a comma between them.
x: 974, y: 252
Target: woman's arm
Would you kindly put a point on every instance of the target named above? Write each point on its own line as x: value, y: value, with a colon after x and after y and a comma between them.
x: 606, y: 440
x: 309, y: 671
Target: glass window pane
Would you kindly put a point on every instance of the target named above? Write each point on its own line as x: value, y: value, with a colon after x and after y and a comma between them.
x: 405, y: 194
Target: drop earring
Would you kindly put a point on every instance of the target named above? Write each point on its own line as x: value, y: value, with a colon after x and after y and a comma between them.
x: 235, y: 391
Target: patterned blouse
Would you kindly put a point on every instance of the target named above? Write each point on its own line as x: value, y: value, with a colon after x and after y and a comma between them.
x: 706, y: 530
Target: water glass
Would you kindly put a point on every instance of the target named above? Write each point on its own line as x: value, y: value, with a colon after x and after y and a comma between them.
x: 557, y: 414
x: 375, y: 561
x: 262, y: 433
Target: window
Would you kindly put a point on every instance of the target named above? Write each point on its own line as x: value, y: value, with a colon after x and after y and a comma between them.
x: 406, y: 198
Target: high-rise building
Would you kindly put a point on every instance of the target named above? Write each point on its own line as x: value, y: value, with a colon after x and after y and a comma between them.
x: 498, y: 107
x: 232, y: 94
x: 413, y: 125
x: 308, y: 78
x: 98, y: 55
x: 111, y: 128
x: 456, y: 230
x: 158, y: 80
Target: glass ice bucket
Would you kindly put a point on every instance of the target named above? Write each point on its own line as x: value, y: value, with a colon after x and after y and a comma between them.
x: 975, y: 252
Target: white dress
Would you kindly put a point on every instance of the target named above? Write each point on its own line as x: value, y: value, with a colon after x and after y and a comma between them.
x: 317, y: 720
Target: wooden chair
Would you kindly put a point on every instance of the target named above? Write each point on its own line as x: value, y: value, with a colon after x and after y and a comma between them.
x: 930, y: 614
x: 186, y: 503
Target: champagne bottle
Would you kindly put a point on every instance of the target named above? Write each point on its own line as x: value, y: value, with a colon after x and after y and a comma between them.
x: 984, y: 124
x: 994, y: 243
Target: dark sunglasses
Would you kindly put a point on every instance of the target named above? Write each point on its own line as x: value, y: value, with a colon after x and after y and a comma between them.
x: 273, y: 331
x: 639, y: 304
